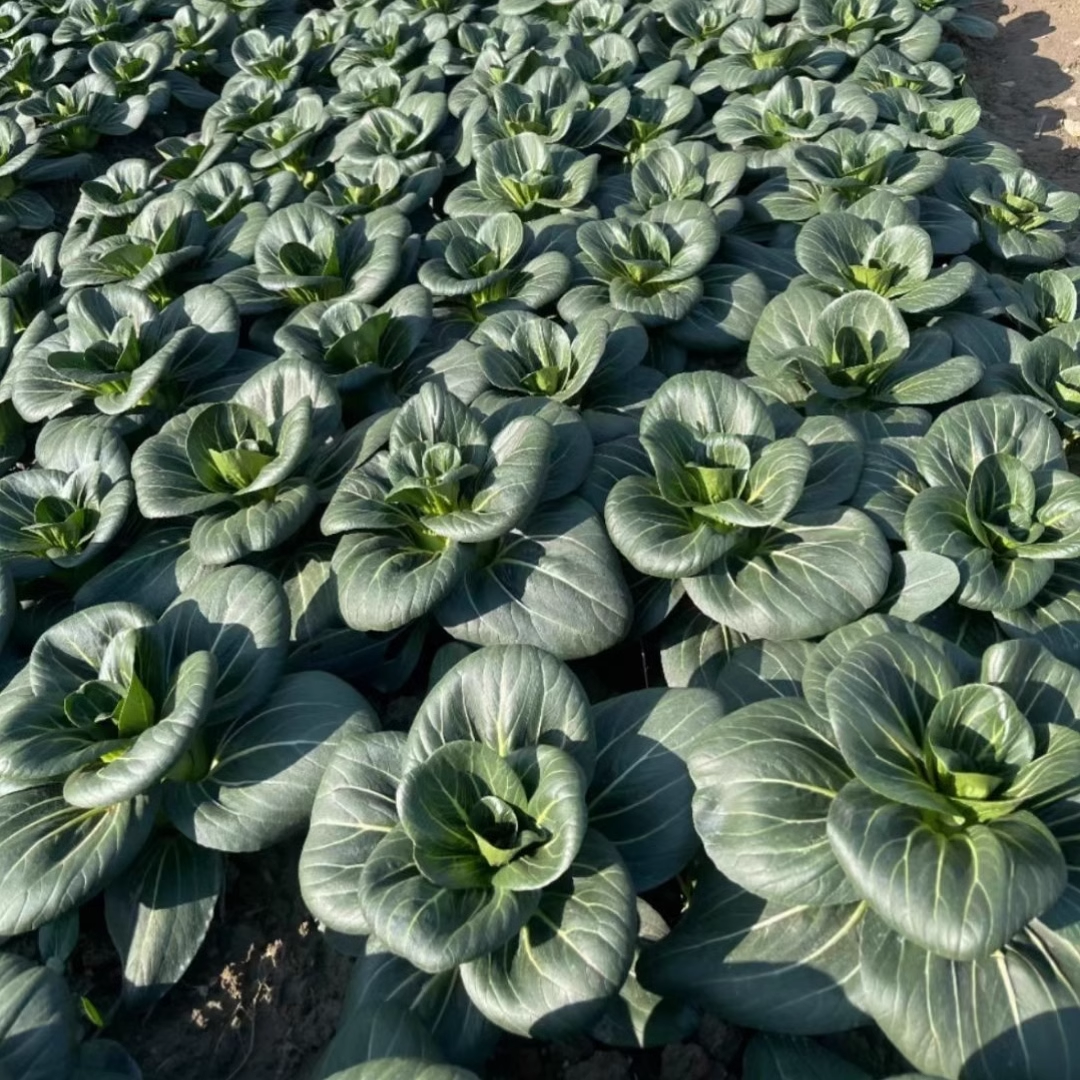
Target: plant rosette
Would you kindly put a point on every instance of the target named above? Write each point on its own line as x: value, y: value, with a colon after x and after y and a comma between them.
x: 243, y: 468
x: 501, y: 840
x: 999, y: 501
x: 726, y: 508
x: 447, y: 521
x: 914, y: 859
x: 136, y: 750
x: 60, y: 515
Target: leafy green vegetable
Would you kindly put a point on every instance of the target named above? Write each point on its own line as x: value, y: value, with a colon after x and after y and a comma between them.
x: 425, y: 346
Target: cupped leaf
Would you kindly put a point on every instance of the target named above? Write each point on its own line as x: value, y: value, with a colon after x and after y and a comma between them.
x: 942, y: 521
x: 507, y: 489
x: 54, y: 856
x: 355, y: 807
x: 156, y: 750
x: 880, y: 698
x: 921, y: 582
x: 507, y: 697
x: 961, y: 893
x: 569, y: 958
x: 72, y: 651
x: 464, y: 810
x: 433, y: 927
x: 657, y: 537
x: 966, y: 434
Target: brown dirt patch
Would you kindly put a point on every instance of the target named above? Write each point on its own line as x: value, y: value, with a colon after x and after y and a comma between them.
x: 1026, y: 80
x: 263, y: 997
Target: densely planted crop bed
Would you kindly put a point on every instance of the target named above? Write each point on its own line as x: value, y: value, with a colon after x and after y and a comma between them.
x: 426, y: 348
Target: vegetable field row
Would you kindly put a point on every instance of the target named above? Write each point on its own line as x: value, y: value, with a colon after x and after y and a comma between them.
x: 681, y: 398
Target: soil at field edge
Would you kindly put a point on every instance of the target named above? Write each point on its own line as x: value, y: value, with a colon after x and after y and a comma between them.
x: 263, y: 997
x: 1027, y: 81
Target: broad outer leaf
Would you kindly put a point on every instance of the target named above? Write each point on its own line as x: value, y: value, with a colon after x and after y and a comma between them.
x: 695, y: 651
x: 837, y: 461
x: 922, y: 581
x: 817, y: 572
x: 267, y: 766
x: 764, y: 778
x: 778, y: 1057
x: 354, y: 809
x: 788, y: 969
x: 439, y: 1002
x: 640, y: 792
x: 637, y: 1017
x: 151, y: 573
x: 387, y: 1030
x: 1013, y: 1014
x: 224, y: 536
x: 241, y: 615
x: 555, y: 584
x: 158, y: 913
x: 38, y: 1024
x: 506, y: 697
x: 555, y: 976
x: 54, y: 856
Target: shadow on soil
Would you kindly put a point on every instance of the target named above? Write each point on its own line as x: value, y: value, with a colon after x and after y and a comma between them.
x: 1013, y: 84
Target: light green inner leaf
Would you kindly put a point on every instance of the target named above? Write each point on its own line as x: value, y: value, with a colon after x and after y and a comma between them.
x: 61, y: 526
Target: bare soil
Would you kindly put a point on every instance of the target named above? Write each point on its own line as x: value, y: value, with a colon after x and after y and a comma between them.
x: 262, y: 998
x: 1026, y: 80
